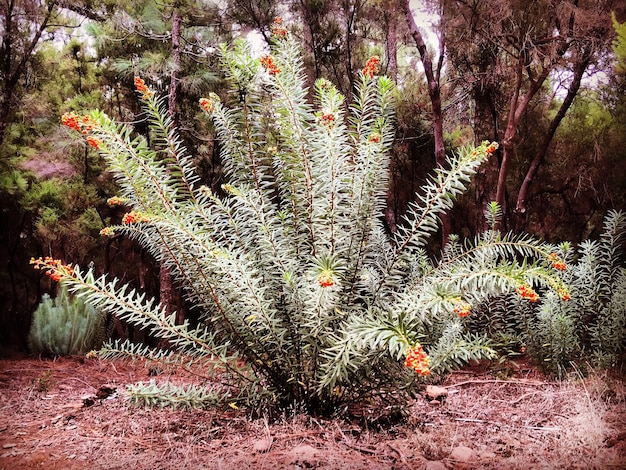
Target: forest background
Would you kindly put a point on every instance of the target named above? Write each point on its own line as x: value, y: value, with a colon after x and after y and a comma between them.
x: 544, y: 78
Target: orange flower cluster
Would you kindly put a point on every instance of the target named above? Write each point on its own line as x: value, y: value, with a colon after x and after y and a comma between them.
x: 107, y: 232
x: 417, y: 360
x: 116, y: 201
x: 372, y: 67
x: 54, y: 268
x: 95, y: 143
x: 527, y: 292
x: 375, y: 137
x: 491, y: 148
x: 563, y: 293
x: 134, y: 217
x: 83, y: 124
x: 87, y: 125
x: 557, y: 264
x: 488, y: 149
x: 142, y: 88
x: 325, y: 278
x: 207, y: 105
x: 71, y: 120
x: 278, y: 29
x: 327, y: 119
x: 269, y: 63
x: 463, y: 310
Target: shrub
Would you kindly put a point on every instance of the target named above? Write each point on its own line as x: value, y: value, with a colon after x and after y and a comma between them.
x: 65, y: 326
x: 302, y: 296
x: 591, y: 326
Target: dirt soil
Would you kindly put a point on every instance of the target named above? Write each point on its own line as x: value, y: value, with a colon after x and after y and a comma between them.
x: 71, y: 413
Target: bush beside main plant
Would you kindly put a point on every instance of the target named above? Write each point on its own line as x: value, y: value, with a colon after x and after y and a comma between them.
x: 303, y: 298
x: 587, y: 331
x: 65, y: 326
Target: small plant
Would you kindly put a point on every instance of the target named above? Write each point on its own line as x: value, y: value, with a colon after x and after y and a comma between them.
x: 303, y: 297
x: 44, y: 382
x: 65, y: 325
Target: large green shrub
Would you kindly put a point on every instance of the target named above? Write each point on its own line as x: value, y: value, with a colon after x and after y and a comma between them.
x: 65, y: 325
x: 302, y: 295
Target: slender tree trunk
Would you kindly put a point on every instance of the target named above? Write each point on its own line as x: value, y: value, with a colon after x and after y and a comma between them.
x: 310, y: 56
x: 434, y: 92
x: 508, y: 141
x: 134, y: 333
x: 174, y: 75
x: 540, y: 155
x: 517, y: 108
x: 166, y: 290
x: 350, y: 15
x: 391, y: 13
x: 485, y: 128
x: 391, y: 41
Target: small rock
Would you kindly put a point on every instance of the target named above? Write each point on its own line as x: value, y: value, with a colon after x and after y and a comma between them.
x: 8, y: 446
x: 303, y: 454
x: 88, y: 401
x: 105, y: 391
x: 435, y: 465
x: 463, y: 454
x: 262, y: 445
x: 436, y: 393
x: 487, y: 456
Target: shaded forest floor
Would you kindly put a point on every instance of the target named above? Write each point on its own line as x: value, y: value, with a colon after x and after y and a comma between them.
x: 65, y: 414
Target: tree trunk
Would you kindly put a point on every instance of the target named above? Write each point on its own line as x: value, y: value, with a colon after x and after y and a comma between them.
x: 434, y: 92
x: 166, y: 290
x: 174, y: 75
x: 310, y: 56
x: 350, y: 12
x: 485, y: 127
x: 540, y: 155
x: 391, y: 41
x: 516, y: 110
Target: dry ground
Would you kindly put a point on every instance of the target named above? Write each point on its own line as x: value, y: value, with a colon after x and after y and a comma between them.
x: 51, y: 417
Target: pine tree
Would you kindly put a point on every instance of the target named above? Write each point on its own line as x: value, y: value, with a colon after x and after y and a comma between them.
x: 302, y: 295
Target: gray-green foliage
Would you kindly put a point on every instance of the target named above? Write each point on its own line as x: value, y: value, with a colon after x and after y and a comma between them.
x: 188, y: 396
x: 300, y: 291
x: 590, y: 326
x: 65, y: 325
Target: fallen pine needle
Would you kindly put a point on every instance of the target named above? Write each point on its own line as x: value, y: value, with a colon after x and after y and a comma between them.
x: 497, y: 381
x: 482, y: 421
